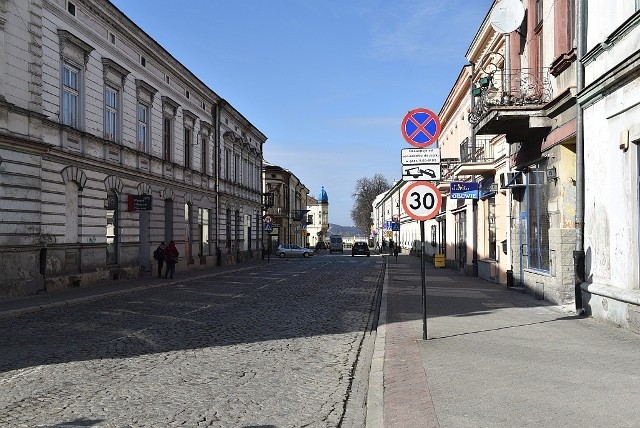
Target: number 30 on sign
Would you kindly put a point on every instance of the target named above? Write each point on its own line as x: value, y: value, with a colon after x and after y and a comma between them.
x: 421, y: 200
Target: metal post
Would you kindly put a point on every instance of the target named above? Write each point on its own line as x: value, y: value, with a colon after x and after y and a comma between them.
x: 424, y: 283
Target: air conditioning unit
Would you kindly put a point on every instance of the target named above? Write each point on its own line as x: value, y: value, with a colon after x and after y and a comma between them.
x: 509, y: 180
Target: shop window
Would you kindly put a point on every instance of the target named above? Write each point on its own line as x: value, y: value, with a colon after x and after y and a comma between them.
x: 537, y: 199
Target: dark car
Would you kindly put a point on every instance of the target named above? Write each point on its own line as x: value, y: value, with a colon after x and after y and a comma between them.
x: 360, y: 248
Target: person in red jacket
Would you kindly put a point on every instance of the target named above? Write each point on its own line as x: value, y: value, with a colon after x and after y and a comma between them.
x: 171, y: 258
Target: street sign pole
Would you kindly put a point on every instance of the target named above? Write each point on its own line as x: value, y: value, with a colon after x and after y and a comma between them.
x: 424, y: 282
x: 422, y: 200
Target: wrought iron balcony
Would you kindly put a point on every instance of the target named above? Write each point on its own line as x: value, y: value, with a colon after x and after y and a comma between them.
x: 515, y: 88
x: 476, y: 160
x: 483, y: 150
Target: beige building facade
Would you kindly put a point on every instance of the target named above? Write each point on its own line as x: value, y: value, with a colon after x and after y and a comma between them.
x: 108, y: 146
x: 287, y: 209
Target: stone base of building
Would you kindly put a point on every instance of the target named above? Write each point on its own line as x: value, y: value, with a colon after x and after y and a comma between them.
x: 612, y: 305
x: 53, y: 283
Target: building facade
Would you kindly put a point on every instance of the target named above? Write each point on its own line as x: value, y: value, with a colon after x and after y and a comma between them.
x: 288, y: 209
x: 610, y: 101
x: 525, y: 85
x: 318, y: 219
x: 108, y: 146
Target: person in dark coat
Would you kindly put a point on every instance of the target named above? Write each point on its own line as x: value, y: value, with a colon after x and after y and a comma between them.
x: 171, y: 258
x: 158, y: 255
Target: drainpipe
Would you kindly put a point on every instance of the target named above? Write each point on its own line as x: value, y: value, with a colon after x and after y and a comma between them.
x: 507, y: 89
x: 474, y: 202
x: 216, y: 169
x: 578, y: 254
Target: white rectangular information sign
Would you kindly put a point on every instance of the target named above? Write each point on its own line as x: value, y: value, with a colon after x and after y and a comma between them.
x: 420, y: 156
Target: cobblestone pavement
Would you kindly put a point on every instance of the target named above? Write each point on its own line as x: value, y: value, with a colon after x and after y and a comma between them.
x: 276, y: 346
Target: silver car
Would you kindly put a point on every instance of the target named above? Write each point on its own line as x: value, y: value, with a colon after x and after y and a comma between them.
x: 293, y: 250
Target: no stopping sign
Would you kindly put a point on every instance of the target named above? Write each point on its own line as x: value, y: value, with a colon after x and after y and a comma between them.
x: 421, y: 200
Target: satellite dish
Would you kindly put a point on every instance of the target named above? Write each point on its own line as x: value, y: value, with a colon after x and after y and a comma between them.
x: 507, y: 15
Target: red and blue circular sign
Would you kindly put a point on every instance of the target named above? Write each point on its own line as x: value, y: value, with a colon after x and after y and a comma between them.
x: 421, y: 127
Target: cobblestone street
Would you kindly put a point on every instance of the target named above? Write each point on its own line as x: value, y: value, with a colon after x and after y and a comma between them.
x: 271, y: 346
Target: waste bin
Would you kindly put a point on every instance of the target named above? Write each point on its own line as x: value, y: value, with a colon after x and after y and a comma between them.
x: 438, y: 260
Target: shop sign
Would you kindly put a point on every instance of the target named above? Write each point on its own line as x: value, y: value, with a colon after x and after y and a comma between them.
x: 464, y: 190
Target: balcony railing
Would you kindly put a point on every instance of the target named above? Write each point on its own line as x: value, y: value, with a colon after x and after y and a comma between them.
x: 503, y: 88
x: 483, y: 150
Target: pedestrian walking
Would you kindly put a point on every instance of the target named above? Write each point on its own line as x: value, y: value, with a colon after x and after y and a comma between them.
x: 396, y: 250
x: 171, y: 257
x: 158, y: 255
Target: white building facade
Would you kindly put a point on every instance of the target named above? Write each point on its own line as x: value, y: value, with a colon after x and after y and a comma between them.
x: 318, y: 218
x: 610, y: 101
x: 108, y: 146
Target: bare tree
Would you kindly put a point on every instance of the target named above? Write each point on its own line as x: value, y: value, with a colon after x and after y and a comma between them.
x: 365, y: 192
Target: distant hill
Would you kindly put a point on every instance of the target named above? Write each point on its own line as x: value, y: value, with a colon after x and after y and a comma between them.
x: 336, y: 229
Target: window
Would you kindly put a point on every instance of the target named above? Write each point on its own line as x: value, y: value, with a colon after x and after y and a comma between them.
x: 228, y: 228
x: 112, y: 227
x: 143, y: 61
x: 70, y: 96
x: 227, y: 164
x: 539, y: 4
x: 491, y: 225
x: 166, y: 79
x: 203, y: 153
x: 203, y: 231
x: 188, y: 237
x: 71, y: 8
x: 167, y: 132
x: 143, y: 128
x: 236, y: 169
x: 187, y: 147
x: 537, y: 195
x: 571, y: 28
x: 112, y: 38
x: 110, y: 113
x: 187, y: 93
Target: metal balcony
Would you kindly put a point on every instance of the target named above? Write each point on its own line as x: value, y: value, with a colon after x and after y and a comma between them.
x: 476, y: 160
x: 512, y: 102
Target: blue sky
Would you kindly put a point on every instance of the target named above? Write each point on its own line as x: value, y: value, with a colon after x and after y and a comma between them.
x: 327, y: 81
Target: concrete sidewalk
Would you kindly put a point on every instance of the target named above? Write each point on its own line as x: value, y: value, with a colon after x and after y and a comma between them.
x: 494, y: 357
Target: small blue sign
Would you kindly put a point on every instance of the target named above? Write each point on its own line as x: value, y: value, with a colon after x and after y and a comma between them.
x: 268, y: 227
x: 487, y: 188
x: 463, y: 190
x: 395, y: 227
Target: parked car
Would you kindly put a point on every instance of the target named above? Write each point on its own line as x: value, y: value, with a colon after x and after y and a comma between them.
x: 360, y: 248
x: 293, y: 250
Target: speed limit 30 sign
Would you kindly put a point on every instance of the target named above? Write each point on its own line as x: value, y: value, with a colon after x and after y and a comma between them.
x: 421, y: 200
